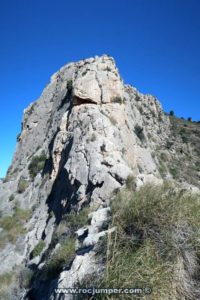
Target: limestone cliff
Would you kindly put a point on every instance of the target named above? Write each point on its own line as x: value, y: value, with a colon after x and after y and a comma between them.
x: 80, y: 141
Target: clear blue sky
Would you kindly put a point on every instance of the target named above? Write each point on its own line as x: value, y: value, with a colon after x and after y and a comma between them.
x: 156, y: 44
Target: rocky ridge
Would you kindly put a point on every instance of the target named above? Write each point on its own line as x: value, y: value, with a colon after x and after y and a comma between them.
x: 80, y: 141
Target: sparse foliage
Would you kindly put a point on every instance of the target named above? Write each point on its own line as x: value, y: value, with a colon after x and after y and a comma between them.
x: 62, y: 257
x: 37, y: 164
x: 13, y: 226
x: 38, y: 249
x: 22, y: 185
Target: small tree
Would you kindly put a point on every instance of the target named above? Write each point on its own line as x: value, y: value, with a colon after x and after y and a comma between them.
x: 171, y: 113
x: 190, y: 119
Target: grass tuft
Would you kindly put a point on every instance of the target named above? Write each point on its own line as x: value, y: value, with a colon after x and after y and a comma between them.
x: 38, y: 249
x: 37, y: 164
x: 156, y: 243
x: 13, y: 226
x: 62, y: 256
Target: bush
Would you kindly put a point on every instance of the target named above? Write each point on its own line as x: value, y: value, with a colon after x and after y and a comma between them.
x: 62, y: 257
x: 156, y: 242
x: 38, y: 249
x: 74, y: 221
x: 171, y: 113
x: 37, y: 164
x: 22, y: 185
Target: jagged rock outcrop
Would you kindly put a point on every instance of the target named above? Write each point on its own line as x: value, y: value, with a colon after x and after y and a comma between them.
x: 85, y: 135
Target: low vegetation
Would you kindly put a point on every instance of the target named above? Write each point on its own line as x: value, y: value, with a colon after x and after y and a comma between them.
x: 13, y: 226
x: 10, y: 174
x: 74, y: 221
x: 156, y: 243
x: 22, y: 185
x: 11, y: 283
x: 62, y: 249
x: 37, y: 164
x: 62, y: 256
x: 5, y: 280
x: 184, y: 161
x: 38, y: 249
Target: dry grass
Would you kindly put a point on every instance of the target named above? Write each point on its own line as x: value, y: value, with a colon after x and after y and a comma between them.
x: 185, y: 138
x: 5, y: 280
x: 38, y: 249
x: 156, y: 243
x: 13, y: 226
x: 62, y: 257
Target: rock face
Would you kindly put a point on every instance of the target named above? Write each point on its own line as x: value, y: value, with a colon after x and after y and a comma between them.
x: 80, y: 141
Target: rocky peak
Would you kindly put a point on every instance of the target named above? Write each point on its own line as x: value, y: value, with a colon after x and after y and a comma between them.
x: 80, y: 141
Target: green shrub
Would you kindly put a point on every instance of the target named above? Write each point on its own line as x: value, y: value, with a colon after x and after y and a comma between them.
x: 156, y: 242
x: 22, y: 185
x: 37, y: 164
x: 74, y: 221
x: 62, y: 257
x: 38, y: 249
